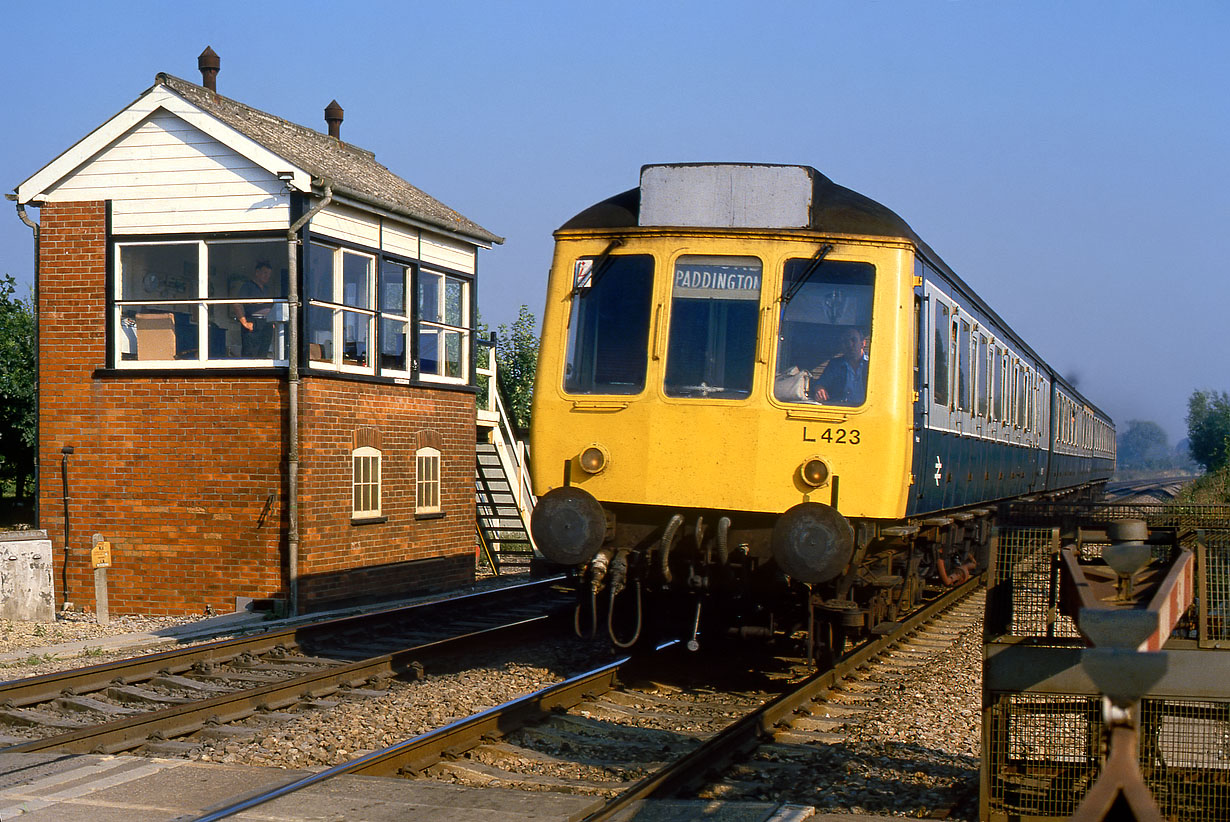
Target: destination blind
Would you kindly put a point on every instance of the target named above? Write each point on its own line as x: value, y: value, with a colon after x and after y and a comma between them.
x: 724, y: 278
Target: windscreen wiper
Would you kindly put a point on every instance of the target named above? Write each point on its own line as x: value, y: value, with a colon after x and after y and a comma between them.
x: 811, y: 269
x: 601, y: 264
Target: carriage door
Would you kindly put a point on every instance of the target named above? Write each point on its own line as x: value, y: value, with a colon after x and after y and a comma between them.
x: 933, y: 411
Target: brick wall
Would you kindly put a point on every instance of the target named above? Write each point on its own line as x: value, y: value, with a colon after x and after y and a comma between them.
x: 177, y: 472
x: 342, y: 561
x: 174, y: 472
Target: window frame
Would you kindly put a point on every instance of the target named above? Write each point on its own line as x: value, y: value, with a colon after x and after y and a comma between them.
x: 637, y: 304
x: 431, y: 505
x: 669, y: 385
x: 405, y: 319
x: 366, y: 455
x: 965, y: 373
x: 442, y: 327
x: 339, y: 308
x: 200, y: 306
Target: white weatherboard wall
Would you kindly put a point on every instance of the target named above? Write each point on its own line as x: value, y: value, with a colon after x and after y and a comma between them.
x: 348, y: 224
x: 452, y: 254
x: 26, y: 591
x: 352, y: 225
x: 165, y: 176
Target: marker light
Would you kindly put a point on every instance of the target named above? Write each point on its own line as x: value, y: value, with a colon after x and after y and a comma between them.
x: 593, y: 459
x: 814, y: 472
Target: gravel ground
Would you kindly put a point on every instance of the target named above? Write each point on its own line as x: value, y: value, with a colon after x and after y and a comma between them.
x: 71, y: 626
x: 321, y: 738
x: 920, y: 748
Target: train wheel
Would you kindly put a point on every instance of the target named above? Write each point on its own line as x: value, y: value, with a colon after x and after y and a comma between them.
x: 830, y: 643
x: 910, y: 589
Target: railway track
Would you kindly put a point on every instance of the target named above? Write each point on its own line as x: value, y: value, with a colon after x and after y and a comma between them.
x: 149, y: 703
x: 1152, y: 490
x: 619, y: 733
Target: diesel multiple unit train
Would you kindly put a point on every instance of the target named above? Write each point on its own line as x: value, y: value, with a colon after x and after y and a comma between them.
x: 765, y: 406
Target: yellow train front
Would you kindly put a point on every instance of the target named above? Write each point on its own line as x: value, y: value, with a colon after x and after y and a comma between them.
x: 724, y: 412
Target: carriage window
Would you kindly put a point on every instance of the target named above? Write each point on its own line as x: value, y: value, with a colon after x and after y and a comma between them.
x: 939, y: 379
x: 1027, y: 416
x: 997, y: 364
x: 963, y: 370
x: 980, y: 361
x: 824, y: 332
x: 715, y: 305
x: 955, y: 386
x: 608, y: 327
x: 1022, y: 403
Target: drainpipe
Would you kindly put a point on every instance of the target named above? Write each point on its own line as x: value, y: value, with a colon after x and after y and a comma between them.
x: 21, y: 212
x: 292, y: 298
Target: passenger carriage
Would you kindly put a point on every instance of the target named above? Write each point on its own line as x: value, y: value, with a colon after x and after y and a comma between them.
x: 762, y: 391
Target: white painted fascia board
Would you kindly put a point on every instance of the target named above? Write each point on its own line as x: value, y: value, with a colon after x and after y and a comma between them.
x: 35, y: 188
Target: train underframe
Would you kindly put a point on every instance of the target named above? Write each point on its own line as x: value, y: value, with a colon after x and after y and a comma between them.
x: 710, y: 575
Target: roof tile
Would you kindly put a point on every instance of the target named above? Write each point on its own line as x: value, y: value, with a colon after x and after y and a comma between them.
x: 353, y: 171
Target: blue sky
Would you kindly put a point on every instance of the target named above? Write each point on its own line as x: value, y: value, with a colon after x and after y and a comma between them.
x: 1071, y: 160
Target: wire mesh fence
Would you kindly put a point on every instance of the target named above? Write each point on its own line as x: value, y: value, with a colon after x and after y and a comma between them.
x: 1043, y: 751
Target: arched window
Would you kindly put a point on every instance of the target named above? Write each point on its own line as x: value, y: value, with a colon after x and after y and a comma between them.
x: 427, y: 481
x: 366, y: 462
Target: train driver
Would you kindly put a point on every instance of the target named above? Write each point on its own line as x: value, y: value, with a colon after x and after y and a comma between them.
x: 844, y: 381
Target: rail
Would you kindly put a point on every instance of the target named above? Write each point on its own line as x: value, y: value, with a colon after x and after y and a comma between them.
x: 332, y: 675
x: 747, y: 731
x: 416, y: 754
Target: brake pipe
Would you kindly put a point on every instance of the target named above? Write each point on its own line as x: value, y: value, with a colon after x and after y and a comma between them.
x: 668, y: 536
x: 596, y: 573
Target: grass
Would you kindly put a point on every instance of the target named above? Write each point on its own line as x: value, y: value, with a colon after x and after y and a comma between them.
x: 1211, y: 489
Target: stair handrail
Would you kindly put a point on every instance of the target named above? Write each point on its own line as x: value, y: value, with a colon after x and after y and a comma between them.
x: 518, y: 470
x: 510, y: 449
x: 492, y: 399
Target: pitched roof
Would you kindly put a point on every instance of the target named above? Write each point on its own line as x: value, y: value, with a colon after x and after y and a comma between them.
x: 352, y: 171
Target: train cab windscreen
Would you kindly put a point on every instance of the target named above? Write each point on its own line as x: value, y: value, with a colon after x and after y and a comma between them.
x: 824, y: 332
x: 715, y: 304
x: 608, y: 325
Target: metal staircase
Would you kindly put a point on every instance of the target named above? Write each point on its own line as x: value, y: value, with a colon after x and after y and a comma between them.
x: 502, y: 482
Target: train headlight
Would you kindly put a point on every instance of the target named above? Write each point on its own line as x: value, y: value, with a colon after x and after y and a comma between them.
x: 593, y: 459
x: 814, y: 472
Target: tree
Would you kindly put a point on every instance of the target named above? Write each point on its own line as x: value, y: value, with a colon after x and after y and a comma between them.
x: 516, y: 356
x: 1143, y: 444
x: 18, y: 424
x: 1208, y: 428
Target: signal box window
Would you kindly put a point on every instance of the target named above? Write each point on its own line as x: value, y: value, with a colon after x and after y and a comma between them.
x: 608, y: 327
x: 341, y: 308
x: 427, y: 481
x: 394, y: 307
x: 824, y: 332
x: 715, y: 305
x: 201, y: 303
x: 444, y: 334
x: 366, y: 483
